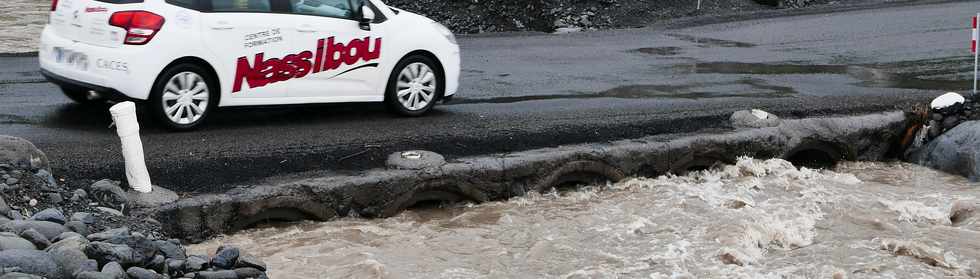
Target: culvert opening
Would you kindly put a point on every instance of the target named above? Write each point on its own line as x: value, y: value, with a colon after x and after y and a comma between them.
x: 273, y: 217
x: 575, y: 181
x: 819, y: 155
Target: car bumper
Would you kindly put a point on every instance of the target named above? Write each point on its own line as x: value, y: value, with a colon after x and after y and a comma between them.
x: 452, y: 67
x: 108, y: 71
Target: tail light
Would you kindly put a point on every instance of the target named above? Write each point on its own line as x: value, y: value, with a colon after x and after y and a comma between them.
x: 140, y: 26
x: 54, y: 5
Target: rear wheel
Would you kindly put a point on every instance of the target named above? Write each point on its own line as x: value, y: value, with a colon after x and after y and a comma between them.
x: 183, y: 97
x: 414, y: 86
x: 78, y: 94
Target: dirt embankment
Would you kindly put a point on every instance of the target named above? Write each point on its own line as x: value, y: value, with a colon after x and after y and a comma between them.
x: 551, y: 15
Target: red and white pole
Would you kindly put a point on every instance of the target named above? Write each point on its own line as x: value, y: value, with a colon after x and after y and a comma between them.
x: 976, y: 55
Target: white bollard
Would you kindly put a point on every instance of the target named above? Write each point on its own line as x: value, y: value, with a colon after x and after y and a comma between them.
x: 128, y: 128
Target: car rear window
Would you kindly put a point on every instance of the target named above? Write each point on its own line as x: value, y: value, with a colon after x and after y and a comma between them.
x: 120, y: 1
x: 241, y: 6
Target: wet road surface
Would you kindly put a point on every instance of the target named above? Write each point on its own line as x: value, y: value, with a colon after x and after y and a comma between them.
x: 523, y: 91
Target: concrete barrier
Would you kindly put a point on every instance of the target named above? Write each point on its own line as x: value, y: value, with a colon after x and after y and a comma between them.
x: 386, y: 192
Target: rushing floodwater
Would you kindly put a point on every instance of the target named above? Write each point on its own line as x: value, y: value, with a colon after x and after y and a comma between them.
x: 21, y: 22
x: 757, y: 219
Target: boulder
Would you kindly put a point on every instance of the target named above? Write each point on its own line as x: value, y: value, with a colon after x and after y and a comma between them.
x: 4, y: 208
x: 957, y: 151
x: 9, y: 241
x: 171, y: 249
x: 143, y: 249
x: 48, y: 229
x: 21, y: 154
x: 108, y: 252
x: 223, y: 274
x: 109, y: 211
x: 78, y: 195
x: 226, y: 257
x: 107, y: 234
x: 83, y: 217
x: 158, y: 197
x: 754, y: 119
x: 18, y: 275
x: 108, y: 193
x: 78, y: 227
x: 96, y: 275
x: 196, y: 263
x: 248, y: 272
x: 31, y: 262
x: 142, y: 273
x: 114, y: 269
x: 66, y: 235
x: 69, y: 254
x: 247, y: 260
x: 50, y: 184
x: 35, y: 237
x: 50, y: 215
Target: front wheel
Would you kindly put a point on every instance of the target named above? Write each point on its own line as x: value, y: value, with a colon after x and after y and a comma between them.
x: 183, y: 96
x: 414, y: 86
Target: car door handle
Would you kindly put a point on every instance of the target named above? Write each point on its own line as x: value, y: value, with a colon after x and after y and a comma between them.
x: 305, y: 28
x: 222, y: 26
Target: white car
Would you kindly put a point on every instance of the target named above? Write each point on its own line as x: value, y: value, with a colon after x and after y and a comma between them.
x: 184, y: 58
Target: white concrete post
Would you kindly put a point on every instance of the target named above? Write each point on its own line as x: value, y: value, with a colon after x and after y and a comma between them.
x: 128, y: 129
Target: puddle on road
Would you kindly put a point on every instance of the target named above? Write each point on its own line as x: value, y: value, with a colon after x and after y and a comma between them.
x: 662, y: 51
x: 746, y: 87
x: 869, y: 76
x: 712, y: 42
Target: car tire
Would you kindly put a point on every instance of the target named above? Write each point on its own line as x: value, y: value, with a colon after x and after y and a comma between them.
x: 183, y: 96
x: 415, y: 85
x: 77, y: 94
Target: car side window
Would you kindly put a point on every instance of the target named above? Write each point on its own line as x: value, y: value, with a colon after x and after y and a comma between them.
x: 328, y: 8
x: 241, y: 6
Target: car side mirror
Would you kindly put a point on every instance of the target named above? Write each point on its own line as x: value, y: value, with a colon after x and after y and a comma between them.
x: 367, y: 17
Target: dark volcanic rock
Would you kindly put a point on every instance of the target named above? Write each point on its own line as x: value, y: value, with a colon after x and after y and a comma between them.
x: 226, y: 257
x: 48, y: 229
x: 196, y: 263
x: 31, y: 262
x: 10, y: 241
x: 21, y: 154
x: 96, y: 275
x: 957, y: 151
x: 142, y: 273
x: 107, y: 234
x: 35, y: 237
x: 108, y: 193
x: 69, y: 253
x: 18, y: 275
x: 77, y: 227
x: 66, y: 235
x: 83, y: 217
x: 108, y: 252
x: 247, y: 260
x: 249, y: 272
x: 171, y: 249
x: 114, y: 269
x: 223, y: 274
x: 143, y: 249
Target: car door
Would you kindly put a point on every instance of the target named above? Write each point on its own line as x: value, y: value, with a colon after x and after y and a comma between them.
x: 345, y: 57
x: 248, y: 40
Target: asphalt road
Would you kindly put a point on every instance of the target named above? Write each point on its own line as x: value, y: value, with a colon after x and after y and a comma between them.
x: 524, y: 91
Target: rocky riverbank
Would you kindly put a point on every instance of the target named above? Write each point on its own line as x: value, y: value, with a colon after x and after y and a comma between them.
x: 949, y: 140
x: 53, y: 228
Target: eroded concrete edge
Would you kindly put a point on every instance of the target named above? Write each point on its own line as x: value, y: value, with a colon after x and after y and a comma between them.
x: 382, y: 193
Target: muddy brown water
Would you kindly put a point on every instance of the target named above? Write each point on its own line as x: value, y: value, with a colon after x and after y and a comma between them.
x: 756, y: 219
x: 21, y: 22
